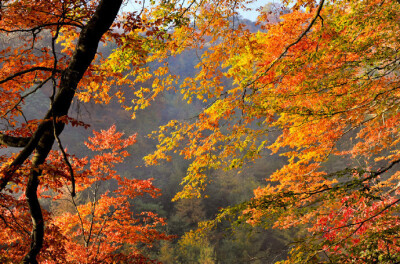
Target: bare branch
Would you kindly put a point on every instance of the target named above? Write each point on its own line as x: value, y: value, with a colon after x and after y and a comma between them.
x: 15, y: 142
x: 92, y: 214
x: 71, y: 171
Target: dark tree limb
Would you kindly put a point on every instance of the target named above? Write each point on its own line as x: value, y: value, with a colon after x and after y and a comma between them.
x: 11, y: 77
x: 42, y: 27
x: 35, y: 210
x: 15, y: 142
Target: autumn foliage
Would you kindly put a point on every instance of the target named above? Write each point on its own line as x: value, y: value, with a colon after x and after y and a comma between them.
x: 104, y: 230
x: 318, y: 86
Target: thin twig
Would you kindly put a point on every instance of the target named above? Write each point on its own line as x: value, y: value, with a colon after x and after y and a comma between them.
x: 71, y: 171
x: 93, y: 210
x: 15, y: 220
x: 28, y: 94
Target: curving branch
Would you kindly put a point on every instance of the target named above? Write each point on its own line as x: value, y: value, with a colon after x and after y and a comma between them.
x: 41, y: 27
x: 11, y: 77
x: 15, y: 142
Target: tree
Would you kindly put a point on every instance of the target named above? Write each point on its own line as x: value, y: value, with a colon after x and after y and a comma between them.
x: 26, y: 63
x: 326, y: 79
x: 104, y: 230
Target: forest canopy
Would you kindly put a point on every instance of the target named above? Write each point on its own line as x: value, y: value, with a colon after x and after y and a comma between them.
x: 314, y: 82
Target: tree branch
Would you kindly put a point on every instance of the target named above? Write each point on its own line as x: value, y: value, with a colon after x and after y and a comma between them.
x: 9, y: 78
x: 15, y: 142
x: 40, y: 27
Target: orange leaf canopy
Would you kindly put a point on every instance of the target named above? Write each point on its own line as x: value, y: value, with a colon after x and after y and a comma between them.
x: 326, y: 79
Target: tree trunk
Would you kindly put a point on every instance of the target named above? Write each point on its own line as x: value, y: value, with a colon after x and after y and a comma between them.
x: 37, y: 217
